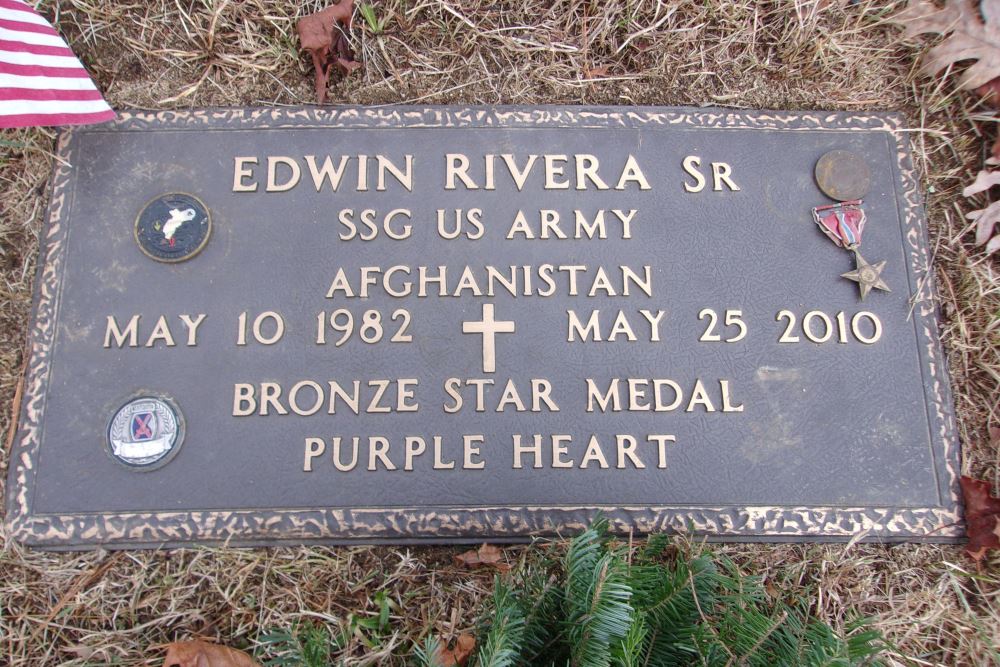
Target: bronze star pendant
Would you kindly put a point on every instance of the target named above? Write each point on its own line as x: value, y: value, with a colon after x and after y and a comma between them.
x: 867, y: 276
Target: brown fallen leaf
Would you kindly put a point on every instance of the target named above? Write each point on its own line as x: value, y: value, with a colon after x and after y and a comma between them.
x: 969, y: 35
x: 459, y: 654
x: 990, y: 92
x: 982, y: 517
x: 987, y: 218
x: 487, y: 555
x: 323, y: 35
x: 203, y: 654
x: 984, y: 181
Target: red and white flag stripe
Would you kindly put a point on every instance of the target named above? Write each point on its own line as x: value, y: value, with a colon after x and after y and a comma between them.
x: 41, y: 81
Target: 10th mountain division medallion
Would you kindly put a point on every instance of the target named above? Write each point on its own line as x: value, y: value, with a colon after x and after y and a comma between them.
x: 145, y: 433
x: 173, y: 227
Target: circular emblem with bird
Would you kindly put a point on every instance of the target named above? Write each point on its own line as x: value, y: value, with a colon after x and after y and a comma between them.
x: 173, y: 227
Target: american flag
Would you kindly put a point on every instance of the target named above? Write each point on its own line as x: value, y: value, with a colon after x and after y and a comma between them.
x: 41, y: 81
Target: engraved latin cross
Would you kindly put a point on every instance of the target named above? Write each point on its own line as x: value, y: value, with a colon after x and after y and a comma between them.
x: 489, y: 327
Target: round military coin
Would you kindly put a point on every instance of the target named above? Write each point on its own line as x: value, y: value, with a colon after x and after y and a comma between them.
x: 843, y: 175
x: 145, y: 433
x: 173, y: 227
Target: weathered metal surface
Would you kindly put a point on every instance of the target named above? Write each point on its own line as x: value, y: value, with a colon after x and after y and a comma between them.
x: 843, y: 175
x: 834, y: 438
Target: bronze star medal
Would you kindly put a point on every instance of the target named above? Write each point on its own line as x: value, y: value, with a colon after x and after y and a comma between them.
x: 844, y: 176
x: 867, y: 276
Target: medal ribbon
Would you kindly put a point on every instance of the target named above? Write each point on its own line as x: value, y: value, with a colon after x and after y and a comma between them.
x: 846, y: 232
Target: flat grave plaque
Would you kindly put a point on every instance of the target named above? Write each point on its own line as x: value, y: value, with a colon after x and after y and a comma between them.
x: 457, y: 324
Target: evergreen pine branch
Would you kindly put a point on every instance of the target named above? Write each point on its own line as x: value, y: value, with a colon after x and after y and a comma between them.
x: 747, y: 629
x: 628, y: 651
x: 597, y: 596
x: 504, y: 640
x: 540, y: 596
x: 667, y: 595
x: 427, y: 655
x: 593, y: 608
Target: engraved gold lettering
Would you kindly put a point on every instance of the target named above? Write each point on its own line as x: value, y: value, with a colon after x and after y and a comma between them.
x: 720, y: 174
x: 439, y: 462
x: 403, y: 176
x: 293, y: 398
x: 658, y: 386
x: 161, y: 332
x: 340, y: 465
x: 380, y: 387
x: 626, y: 450
x: 378, y: 451
x: 473, y: 216
x: 727, y: 405
x: 471, y: 447
x: 590, y: 229
x: 425, y: 279
x: 591, y: 332
x: 457, y: 166
x: 242, y: 172
x: 273, y: 161
x: 112, y: 330
x: 594, y: 453
x: 244, y: 403
x: 654, y: 323
x: 535, y: 449
x: 541, y: 393
x: 554, y: 165
x: 661, y: 447
x: 637, y: 394
x: 192, y: 327
x: 404, y: 392
x: 451, y: 387
x: 340, y: 282
x: 700, y: 397
x: 362, y: 173
x: 631, y: 173
x: 353, y: 401
x: 510, y: 397
x: 520, y: 226
x: 414, y: 447
x: 691, y: 164
x: 327, y: 172
x: 601, y: 282
x: 314, y: 448
x: 519, y: 176
x: 621, y: 326
x: 610, y: 398
x: 559, y: 449
x: 586, y: 168
x: 270, y: 395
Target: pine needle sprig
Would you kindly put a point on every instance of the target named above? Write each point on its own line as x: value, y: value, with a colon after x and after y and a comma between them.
x: 597, y: 608
x: 505, y: 637
x: 428, y: 654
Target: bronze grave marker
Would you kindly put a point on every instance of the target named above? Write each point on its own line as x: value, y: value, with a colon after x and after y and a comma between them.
x: 418, y: 324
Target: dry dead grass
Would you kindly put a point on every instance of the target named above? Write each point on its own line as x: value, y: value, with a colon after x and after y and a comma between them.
x: 100, y: 608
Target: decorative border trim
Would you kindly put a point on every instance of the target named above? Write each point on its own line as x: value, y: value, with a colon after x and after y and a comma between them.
x: 458, y: 523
